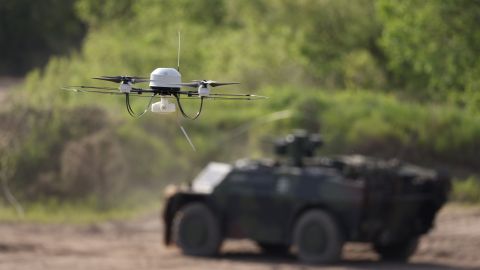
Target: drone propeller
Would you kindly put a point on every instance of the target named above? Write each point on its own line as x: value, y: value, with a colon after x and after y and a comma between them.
x: 123, y: 79
x: 205, y: 83
x: 92, y: 89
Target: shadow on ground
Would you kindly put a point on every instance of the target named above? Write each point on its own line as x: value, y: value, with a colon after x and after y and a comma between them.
x: 291, y: 261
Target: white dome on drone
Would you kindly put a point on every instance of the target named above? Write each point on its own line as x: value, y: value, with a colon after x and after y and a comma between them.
x: 165, y: 78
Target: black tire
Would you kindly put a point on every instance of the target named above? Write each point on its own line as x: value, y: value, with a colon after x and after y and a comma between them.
x: 399, y: 252
x: 317, y: 238
x: 273, y: 249
x: 196, y: 230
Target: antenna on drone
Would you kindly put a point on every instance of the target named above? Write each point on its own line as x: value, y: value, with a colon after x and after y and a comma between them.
x: 178, y: 53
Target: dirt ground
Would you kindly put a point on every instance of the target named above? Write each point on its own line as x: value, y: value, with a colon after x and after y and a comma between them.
x: 453, y: 244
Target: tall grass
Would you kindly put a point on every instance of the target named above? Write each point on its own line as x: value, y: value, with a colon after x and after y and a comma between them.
x: 466, y: 191
x: 53, y: 211
x: 58, y: 156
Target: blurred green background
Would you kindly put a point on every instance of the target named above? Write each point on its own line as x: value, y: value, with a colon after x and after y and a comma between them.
x: 393, y: 79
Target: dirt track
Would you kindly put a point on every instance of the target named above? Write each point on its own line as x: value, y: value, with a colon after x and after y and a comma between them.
x: 453, y: 244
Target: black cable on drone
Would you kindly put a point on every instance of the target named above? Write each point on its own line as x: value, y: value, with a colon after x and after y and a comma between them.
x: 129, y: 107
x: 183, y: 112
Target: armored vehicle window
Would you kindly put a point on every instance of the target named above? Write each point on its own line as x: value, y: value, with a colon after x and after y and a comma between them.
x: 251, y: 181
x: 236, y: 178
x: 210, y: 177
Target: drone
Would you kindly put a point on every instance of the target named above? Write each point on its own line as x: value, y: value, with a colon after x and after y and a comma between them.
x: 166, y: 84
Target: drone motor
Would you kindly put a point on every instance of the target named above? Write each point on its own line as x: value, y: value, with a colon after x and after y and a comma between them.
x: 125, y: 87
x: 203, y: 91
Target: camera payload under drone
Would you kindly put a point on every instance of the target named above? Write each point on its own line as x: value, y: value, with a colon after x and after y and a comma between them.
x: 166, y: 84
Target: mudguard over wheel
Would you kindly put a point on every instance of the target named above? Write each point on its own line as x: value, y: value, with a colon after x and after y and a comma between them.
x: 398, y: 251
x: 317, y: 238
x: 196, y: 230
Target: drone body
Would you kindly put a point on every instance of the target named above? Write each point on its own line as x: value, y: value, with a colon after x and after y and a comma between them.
x: 165, y: 79
x: 166, y: 84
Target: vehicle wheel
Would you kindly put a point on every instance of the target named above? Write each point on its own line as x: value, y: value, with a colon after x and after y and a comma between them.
x: 273, y: 249
x: 397, y: 251
x: 196, y: 230
x: 317, y: 238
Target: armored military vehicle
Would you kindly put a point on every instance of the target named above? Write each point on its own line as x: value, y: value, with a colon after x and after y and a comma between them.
x: 305, y: 204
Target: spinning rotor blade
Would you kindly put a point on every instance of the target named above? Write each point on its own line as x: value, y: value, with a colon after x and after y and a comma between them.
x: 123, y: 77
x: 82, y: 90
x: 89, y: 87
x: 215, y: 84
x: 198, y: 83
x: 119, y: 79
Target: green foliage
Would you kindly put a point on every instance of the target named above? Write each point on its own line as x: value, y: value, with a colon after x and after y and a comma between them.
x: 79, y: 146
x: 259, y: 43
x: 30, y: 31
x: 53, y: 211
x: 96, y: 13
x: 429, y: 47
x: 341, y: 43
x: 382, y: 125
x: 432, y: 44
x: 466, y: 191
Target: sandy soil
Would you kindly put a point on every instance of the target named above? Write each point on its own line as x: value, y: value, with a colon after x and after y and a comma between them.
x: 453, y: 244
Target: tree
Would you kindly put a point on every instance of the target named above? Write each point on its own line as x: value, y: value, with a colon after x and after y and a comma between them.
x: 30, y: 31
x: 432, y: 45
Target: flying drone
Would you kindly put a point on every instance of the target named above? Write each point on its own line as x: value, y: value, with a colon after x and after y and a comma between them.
x: 166, y: 84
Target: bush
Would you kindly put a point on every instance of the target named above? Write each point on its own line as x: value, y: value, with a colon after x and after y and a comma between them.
x: 466, y: 191
x: 381, y: 125
x: 323, y: 43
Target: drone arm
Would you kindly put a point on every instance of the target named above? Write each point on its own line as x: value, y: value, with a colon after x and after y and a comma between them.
x: 141, y: 90
x: 222, y: 96
x: 192, y: 84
